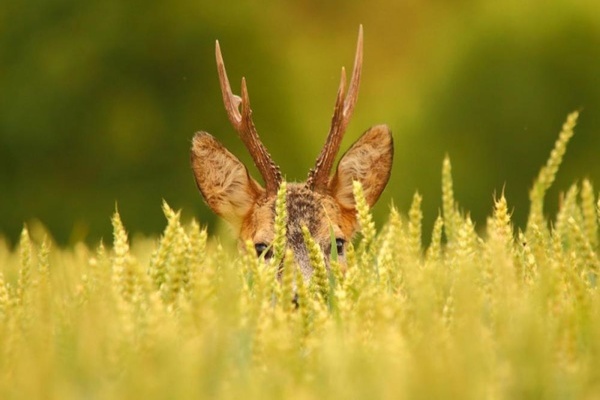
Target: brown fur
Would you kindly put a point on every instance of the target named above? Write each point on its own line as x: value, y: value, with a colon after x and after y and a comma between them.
x: 324, y: 205
x: 222, y: 179
x: 230, y: 192
x: 369, y: 161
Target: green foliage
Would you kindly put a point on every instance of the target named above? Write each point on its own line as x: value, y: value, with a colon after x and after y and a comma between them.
x: 504, y: 315
x: 99, y: 99
x: 548, y: 172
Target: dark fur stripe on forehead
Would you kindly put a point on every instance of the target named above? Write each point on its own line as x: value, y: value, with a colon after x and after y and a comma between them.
x: 306, y: 206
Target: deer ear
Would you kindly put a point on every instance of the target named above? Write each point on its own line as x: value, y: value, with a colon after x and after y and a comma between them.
x: 222, y: 179
x: 368, y: 161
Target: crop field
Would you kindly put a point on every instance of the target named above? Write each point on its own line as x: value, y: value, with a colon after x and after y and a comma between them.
x: 493, y: 312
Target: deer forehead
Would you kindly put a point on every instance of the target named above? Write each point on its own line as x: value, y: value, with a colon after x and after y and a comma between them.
x: 318, y: 212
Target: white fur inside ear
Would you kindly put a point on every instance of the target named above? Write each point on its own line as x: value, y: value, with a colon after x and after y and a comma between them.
x: 368, y: 161
x: 222, y: 179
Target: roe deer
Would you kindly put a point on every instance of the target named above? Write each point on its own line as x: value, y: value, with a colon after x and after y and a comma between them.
x: 321, y: 203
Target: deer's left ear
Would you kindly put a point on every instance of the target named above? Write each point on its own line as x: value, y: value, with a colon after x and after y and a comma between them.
x: 223, y: 180
x: 368, y: 161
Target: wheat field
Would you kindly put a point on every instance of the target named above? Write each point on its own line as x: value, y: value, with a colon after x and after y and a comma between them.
x: 501, y: 313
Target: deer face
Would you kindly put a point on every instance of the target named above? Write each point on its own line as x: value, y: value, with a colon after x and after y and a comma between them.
x: 323, y: 204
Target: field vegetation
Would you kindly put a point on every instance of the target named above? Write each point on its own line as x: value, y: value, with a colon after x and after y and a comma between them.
x: 497, y: 312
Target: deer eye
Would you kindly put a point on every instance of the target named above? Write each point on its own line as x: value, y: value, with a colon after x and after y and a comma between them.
x: 263, y: 248
x: 340, y: 246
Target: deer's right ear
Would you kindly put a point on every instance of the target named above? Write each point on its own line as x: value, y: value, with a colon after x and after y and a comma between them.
x: 223, y: 180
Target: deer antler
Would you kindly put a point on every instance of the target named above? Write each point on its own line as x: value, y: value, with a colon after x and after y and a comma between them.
x: 344, y: 106
x: 242, y: 122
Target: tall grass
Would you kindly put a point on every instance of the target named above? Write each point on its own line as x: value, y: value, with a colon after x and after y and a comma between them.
x: 509, y: 313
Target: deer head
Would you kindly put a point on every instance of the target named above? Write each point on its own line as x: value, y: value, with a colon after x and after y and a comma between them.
x: 321, y: 203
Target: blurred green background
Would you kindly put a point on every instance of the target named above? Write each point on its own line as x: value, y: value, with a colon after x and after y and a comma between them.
x: 99, y: 100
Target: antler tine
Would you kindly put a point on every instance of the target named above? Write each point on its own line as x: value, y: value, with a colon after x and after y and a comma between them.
x: 242, y: 122
x: 230, y: 100
x: 344, y: 107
